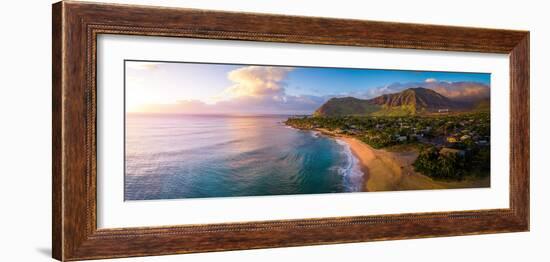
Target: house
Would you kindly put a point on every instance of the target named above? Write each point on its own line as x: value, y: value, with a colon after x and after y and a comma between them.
x: 449, y: 151
x: 452, y: 139
x: 401, y: 138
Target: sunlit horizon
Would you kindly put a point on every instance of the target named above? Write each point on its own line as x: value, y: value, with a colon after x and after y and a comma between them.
x: 227, y: 89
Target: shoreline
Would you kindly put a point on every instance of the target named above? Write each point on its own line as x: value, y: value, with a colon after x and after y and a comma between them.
x: 385, y: 170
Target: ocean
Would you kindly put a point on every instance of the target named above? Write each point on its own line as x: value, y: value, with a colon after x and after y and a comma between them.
x: 192, y: 156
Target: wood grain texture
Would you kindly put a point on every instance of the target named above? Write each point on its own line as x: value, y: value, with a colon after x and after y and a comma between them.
x: 519, y: 129
x: 76, y: 26
x: 57, y: 191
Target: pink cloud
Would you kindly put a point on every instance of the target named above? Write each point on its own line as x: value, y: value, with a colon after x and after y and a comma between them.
x: 466, y: 91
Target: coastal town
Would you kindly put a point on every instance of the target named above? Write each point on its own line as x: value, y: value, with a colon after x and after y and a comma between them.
x: 450, y: 145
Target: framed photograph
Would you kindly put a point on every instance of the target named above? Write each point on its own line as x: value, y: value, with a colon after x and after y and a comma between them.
x: 182, y: 130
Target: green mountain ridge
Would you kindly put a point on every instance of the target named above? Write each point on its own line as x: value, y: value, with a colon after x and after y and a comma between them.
x: 346, y: 106
x: 412, y: 101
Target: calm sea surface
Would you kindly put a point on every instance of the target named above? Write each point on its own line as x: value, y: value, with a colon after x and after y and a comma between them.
x: 183, y: 156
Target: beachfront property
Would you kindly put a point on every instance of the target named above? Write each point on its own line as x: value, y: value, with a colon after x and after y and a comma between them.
x: 459, y: 139
x: 452, y: 139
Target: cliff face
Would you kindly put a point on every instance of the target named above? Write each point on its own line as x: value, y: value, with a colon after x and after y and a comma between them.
x: 411, y: 101
x: 420, y: 98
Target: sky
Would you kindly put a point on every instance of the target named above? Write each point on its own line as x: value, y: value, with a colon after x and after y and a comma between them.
x: 200, y: 88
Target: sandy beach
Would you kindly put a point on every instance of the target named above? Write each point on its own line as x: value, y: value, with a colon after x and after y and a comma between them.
x: 390, y: 171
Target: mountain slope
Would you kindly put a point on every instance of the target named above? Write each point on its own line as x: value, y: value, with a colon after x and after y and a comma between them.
x: 411, y: 101
x: 346, y: 106
x: 420, y: 97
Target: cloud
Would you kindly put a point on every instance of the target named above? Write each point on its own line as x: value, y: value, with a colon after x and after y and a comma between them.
x: 387, y: 89
x: 262, y: 90
x: 244, y: 105
x: 255, y: 90
x: 462, y: 91
x: 256, y: 81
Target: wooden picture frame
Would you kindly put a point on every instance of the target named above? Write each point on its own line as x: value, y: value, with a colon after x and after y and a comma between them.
x: 76, y: 26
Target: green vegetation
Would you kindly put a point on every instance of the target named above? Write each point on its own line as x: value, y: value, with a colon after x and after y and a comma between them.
x: 452, y: 146
x: 403, y: 110
x: 453, y: 166
x: 409, y: 102
x: 346, y: 106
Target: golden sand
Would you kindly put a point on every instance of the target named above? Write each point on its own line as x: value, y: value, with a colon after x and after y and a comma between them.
x: 390, y: 171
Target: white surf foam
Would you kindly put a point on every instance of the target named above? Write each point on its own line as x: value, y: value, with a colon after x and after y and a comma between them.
x: 353, y: 176
x: 315, y: 133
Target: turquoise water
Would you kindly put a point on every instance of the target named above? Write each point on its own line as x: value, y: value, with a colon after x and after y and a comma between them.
x: 184, y: 156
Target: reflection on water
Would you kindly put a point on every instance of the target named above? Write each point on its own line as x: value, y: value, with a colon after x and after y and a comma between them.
x: 184, y: 156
